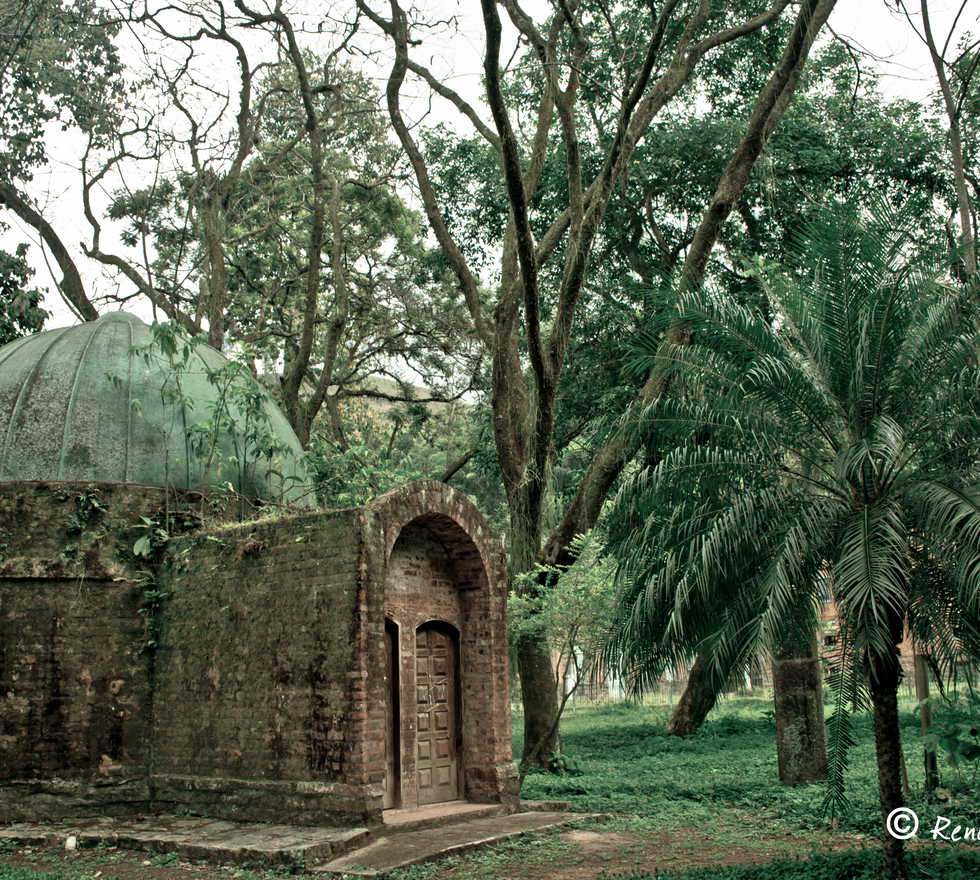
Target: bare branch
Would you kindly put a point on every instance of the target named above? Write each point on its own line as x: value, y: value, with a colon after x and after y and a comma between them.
x: 70, y: 287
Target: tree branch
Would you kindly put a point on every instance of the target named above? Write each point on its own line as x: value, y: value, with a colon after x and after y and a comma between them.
x: 70, y: 287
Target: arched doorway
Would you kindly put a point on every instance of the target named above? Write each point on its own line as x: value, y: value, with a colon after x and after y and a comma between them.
x: 438, y: 741
x: 444, y: 587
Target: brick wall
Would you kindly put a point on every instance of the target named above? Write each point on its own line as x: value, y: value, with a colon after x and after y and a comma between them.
x: 428, y: 538
x: 256, y: 672
x: 74, y: 683
x: 264, y: 696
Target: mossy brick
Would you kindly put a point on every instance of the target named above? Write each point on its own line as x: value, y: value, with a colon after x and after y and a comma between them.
x: 264, y: 697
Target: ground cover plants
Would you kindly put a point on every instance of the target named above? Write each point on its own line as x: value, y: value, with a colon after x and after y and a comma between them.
x: 858, y: 865
x: 707, y: 807
x: 626, y: 764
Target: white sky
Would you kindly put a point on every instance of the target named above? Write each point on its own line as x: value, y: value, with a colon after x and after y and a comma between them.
x: 904, y: 64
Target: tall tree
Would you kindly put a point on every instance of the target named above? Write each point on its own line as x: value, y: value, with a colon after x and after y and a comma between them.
x: 526, y: 323
x: 382, y: 300
x: 252, y: 197
x: 58, y: 64
x: 956, y: 78
x: 844, y: 441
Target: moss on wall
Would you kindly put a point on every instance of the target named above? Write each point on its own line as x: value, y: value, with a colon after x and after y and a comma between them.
x: 255, y: 658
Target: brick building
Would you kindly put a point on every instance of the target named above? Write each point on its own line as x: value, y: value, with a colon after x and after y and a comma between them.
x: 158, y: 653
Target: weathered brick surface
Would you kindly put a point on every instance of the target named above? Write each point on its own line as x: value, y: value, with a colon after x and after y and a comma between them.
x: 253, y: 667
x: 73, y: 680
x: 441, y: 562
x: 265, y: 697
x: 74, y: 676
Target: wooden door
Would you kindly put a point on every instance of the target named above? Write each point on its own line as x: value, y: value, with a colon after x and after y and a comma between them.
x: 437, y: 758
x: 392, y: 795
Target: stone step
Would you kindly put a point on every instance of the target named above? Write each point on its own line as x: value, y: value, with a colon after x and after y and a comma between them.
x: 197, y: 838
x: 399, y: 850
x: 436, y: 816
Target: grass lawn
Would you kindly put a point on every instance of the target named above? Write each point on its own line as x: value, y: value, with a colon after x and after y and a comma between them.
x: 706, y: 808
x: 628, y: 765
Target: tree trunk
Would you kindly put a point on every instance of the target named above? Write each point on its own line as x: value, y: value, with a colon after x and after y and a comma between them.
x: 696, y: 702
x: 70, y: 287
x: 925, y: 717
x: 213, y: 233
x: 801, y: 741
x: 539, y: 687
x: 539, y: 694
x: 969, y: 246
x: 523, y: 430
x: 888, y: 748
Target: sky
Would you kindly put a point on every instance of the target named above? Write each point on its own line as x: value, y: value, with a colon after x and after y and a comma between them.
x: 869, y: 25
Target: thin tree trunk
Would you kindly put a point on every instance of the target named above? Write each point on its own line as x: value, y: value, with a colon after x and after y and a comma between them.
x: 969, y: 246
x: 539, y: 694
x: 539, y: 685
x: 213, y: 233
x: 70, y: 287
x: 925, y: 717
x: 888, y: 748
x: 801, y: 740
x: 699, y: 698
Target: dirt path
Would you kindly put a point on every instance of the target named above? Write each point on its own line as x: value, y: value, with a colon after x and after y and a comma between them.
x: 591, y: 853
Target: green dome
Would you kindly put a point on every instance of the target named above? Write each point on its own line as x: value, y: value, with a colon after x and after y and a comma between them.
x: 103, y: 402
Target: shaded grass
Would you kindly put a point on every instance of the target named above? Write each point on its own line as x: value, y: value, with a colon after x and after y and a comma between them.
x: 722, y: 782
x: 626, y: 763
x: 932, y: 864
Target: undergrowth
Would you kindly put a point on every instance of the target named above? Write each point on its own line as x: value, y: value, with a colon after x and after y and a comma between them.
x: 863, y: 864
x: 626, y: 763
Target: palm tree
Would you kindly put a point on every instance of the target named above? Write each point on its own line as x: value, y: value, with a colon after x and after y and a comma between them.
x: 835, y: 447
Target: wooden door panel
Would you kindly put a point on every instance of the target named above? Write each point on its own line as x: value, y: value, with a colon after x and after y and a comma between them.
x: 437, y: 759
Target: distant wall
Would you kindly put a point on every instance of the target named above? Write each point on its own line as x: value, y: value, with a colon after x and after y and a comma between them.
x: 258, y: 673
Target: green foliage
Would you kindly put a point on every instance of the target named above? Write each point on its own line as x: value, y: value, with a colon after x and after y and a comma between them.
x: 20, y: 305
x: 574, y: 614
x: 57, y: 65
x: 955, y: 731
x: 839, y: 438
x: 562, y: 765
x: 861, y: 864
x: 724, y: 774
x: 376, y: 456
x: 381, y: 295
x: 840, y: 139
x: 8, y: 872
x: 164, y: 860
x: 849, y: 691
x: 88, y: 510
x: 382, y: 444
x: 152, y: 537
x: 233, y: 438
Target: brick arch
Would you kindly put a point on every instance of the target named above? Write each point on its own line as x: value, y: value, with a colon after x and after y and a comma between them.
x: 478, y: 573
x: 452, y: 518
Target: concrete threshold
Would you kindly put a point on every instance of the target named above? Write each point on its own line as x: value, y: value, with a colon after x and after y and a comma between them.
x: 436, y: 815
x: 398, y: 850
